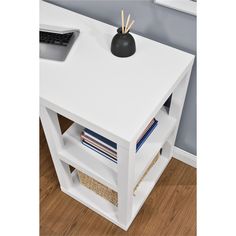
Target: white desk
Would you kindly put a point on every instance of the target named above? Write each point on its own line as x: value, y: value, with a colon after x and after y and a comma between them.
x: 116, y: 97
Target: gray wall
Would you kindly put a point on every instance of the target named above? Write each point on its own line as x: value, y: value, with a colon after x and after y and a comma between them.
x: 158, y: 23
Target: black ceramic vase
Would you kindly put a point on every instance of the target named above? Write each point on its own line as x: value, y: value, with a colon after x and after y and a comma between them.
x: 123, y: 45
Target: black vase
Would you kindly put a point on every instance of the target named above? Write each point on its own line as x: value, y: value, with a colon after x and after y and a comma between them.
x: 123, y: 45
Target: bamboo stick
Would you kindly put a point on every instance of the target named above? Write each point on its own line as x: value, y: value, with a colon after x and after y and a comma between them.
x: 126, y: 25
x: 122, y: 21
x: 129, y: 26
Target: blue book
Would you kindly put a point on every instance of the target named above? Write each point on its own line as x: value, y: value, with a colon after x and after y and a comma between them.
x: 101, y: 138
x: 114, y: 145
x: 146, y: 135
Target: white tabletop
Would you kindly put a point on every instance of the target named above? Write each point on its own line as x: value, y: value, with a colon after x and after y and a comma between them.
x: 117, y: 95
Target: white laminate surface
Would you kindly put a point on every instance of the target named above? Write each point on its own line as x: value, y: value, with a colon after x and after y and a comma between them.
x: 116, y: 95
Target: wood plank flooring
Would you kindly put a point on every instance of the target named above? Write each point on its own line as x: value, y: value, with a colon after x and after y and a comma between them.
x: 170, y: 209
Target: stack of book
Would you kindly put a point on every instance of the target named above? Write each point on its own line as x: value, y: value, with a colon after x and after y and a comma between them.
x: 100, y: 144
x: 108, y: 148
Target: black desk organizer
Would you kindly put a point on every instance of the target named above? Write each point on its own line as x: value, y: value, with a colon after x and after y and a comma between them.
x: 123, y: 45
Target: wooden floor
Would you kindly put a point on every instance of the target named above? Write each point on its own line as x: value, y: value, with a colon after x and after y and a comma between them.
x: 169, y: 210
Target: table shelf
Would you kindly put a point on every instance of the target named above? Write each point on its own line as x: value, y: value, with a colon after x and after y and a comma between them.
x: 146, y: 154
x: 147, y: 184
x: 92, y: 200
x: 107, y: 209
x: 86, y: 160
x: 103, y: 170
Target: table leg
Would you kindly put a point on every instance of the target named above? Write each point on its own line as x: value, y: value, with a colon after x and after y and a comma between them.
x: 176, y: 107
x: 126, y: 163
x: 53, y: 135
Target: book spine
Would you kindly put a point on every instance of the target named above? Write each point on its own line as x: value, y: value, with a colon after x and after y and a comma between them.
x: 99, y: 141
x: 101, y: 138
x: 99, y: 152
x: 148, y: 133
x: 99, y: 146
x: 146, y: 130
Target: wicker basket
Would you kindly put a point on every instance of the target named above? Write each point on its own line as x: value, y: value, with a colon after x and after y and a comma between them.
x: 103, y: 190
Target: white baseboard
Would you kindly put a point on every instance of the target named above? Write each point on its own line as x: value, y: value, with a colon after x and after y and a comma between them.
x: 185, y: 157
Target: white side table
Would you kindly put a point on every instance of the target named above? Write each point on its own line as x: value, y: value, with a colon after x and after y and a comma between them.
x: 117, y: 98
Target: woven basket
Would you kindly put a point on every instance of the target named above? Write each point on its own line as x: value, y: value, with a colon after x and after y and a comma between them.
x: 103, y: 190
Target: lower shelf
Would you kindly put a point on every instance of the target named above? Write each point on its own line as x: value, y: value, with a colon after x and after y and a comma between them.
x: 107, y: 209
x: 92, y: 200
x: 148, y: 183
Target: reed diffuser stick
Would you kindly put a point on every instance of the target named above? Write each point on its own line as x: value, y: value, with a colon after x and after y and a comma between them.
x: 122, y: 21
x: 129, y: 26
x: 127, y: 22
